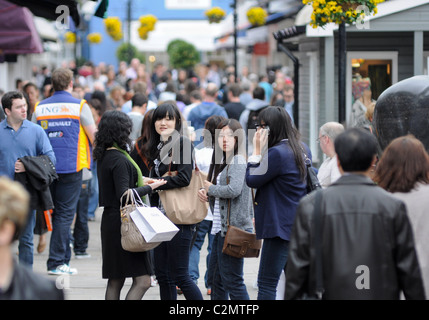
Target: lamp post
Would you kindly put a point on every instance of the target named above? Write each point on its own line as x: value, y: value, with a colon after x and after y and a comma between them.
x: 342, y: 65
x: 234, y: 7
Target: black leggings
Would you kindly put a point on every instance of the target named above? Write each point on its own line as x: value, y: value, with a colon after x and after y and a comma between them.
x: 138, y: 288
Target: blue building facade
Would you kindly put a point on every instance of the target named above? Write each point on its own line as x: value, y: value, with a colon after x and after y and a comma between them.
x: 163, y: 10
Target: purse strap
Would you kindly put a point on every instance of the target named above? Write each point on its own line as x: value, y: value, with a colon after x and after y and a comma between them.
x: 318, y: 246
x: 133, y: 198
x: 229, y: 200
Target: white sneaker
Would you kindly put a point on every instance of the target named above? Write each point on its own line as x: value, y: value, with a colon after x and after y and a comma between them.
x: 153, y: 281
x: 62, y: 270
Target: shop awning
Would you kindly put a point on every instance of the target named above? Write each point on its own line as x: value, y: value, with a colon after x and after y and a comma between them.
x: 48, y: 8
x: 18, y: 34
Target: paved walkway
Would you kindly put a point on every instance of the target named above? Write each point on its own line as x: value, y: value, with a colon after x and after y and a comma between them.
x: 89, y: 285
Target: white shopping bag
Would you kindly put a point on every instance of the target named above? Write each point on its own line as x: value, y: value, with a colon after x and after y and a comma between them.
x: 153, y: 224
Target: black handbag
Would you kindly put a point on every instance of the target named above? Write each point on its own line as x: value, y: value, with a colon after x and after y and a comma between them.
x: 312, y: 180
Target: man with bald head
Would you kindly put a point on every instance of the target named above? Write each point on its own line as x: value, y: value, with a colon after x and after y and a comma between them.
x: 328, y: 171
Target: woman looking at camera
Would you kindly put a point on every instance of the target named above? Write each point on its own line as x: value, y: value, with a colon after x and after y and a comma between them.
x: 225, y: 188
x: 170, y: 150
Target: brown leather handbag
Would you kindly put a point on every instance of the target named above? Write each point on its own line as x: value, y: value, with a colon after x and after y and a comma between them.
x: 240, y: 243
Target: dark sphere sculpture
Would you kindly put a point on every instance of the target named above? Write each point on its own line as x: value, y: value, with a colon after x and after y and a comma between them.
x: 403, y: 109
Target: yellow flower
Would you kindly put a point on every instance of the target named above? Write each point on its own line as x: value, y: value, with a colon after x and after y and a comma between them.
x: 94, y: 37
x: 70, y: 37
x: 215, y: 14
x: 113, y: 27
x: 148, y: 21
x: 256, y: 16
x: 147, y: 24
x: 325, y: 11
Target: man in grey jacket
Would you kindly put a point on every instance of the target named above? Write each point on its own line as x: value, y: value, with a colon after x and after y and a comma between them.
x: 366, y: 238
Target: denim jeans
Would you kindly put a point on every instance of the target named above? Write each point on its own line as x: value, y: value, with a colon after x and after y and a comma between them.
x: 273, y: 260
x: 81, y: 231
x: 26, y: 245
x: 93, y: 191
x: 172, y: 266
x: 203, y: 228
x: 227, y: 273
x: 65, y: 193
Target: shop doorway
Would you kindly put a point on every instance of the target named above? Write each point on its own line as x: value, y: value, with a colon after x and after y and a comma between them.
x: 374, y: 71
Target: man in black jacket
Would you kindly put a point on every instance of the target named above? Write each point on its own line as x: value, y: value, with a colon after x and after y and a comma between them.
x: 366, y: 239
x: 18, y: 282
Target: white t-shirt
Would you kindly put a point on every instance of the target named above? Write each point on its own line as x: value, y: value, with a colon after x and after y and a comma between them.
x: 203, y: 158
x: 328, y: 172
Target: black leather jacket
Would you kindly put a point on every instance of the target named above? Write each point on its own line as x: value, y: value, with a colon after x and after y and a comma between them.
x: 363, y: 228
x: 38, y: 176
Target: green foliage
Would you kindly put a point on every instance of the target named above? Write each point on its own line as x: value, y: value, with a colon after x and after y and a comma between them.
x: 182, y: 54
x: 126, y: 52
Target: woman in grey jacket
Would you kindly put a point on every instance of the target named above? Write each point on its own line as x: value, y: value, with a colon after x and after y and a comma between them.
x: 226, y: 183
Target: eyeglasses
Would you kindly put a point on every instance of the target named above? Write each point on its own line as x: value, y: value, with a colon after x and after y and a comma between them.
x: 263, y: 126
x: 318, y: 139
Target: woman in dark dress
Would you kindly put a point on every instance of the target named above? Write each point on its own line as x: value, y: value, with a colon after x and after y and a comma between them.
x: 117, y: 174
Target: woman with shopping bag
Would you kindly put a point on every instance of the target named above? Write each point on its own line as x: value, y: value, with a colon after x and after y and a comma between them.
x: 171, y: 158
x: 117, y: 174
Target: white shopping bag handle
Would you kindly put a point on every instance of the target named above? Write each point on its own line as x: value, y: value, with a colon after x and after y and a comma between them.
x: 133, y: 197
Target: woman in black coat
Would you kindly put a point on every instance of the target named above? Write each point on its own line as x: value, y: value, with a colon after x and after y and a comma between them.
x: 117, y: 174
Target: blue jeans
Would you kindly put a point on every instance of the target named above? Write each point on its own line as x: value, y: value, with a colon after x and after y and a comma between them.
x: 26, y: 245
x: 273, y: 260
x: 203, y: 228
x: 65, y: 193
x: 227, y: 273
x: 81, y: 231
x: 172, y: 266
x: 93, y: 191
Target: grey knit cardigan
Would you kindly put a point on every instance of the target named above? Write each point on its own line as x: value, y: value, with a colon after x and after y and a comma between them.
x: 241, y: 214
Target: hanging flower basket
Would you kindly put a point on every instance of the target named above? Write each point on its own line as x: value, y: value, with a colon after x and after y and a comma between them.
x: 215, y: 14
x: 70, y: 37
x: 147, y: 24
x: 94, y: 37
x: 113, y: 28
x: 347, y: 11
x: 256, y: 16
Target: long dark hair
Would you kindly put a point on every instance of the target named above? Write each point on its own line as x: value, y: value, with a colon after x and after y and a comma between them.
x: 281, y: 128
x: 114, y: 126
x: 219, y: 160
x: 142, y: 141
x: 168, y: 108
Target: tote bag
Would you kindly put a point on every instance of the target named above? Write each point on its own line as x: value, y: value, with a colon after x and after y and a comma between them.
x: 182, y: 205
x: 131, y: 238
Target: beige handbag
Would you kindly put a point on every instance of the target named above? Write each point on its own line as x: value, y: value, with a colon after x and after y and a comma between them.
x: 182, y: 205
x: 131, y: 238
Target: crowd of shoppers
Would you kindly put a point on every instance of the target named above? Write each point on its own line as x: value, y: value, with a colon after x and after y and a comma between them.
x: 130, y: 129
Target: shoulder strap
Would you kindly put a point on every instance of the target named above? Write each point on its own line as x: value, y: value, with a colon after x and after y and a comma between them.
x: 318, y: 246
x: 229, y: 200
